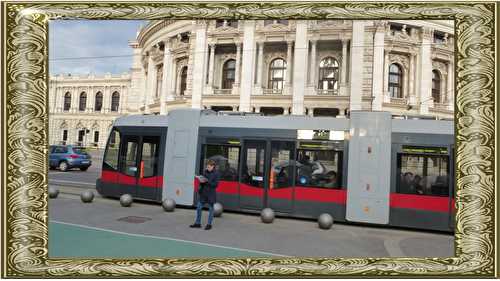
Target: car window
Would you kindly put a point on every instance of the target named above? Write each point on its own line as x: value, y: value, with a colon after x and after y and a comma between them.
x: 79, y: 150
x: 51, y: 149
x: 61, y: 149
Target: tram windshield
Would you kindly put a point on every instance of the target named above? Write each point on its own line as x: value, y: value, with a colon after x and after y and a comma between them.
x: 112, y: 148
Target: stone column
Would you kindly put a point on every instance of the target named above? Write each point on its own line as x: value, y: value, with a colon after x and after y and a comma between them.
x: 173, y: 82
x: 212, y: 66
x: 450, y: 87
x: 288, y: 78
x: 75, y: 99
x: 106, y: 99
x: 199, y: 70
x: 425, y: 71
x: 386, y: 96
x: 167, y: 76
x: 238, y: 62
x: 59, y: 97
x: 411, y: 82
x: 343, y: 71
x: 357, y: 54
x: 260, y: 63
x: 90, y: 99
x: 312, y: 71
x: 378, y: 69
x: 247, y: 65
x: 151, y: 81
x: 300, y: 67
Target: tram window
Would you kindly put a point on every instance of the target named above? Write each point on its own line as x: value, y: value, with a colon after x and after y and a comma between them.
x: 150, y: 153
x: 282, y: 165
x: 319, y: 168
x: 111, y: 157
x: 253, y: 169
x: 423, y: 174
x: 227, y: 159
x: 129, y: 156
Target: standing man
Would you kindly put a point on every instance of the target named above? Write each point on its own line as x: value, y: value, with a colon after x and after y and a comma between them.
x: 207, y: 194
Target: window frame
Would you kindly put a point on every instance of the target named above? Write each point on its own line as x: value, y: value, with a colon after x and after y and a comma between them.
x: 225, y: 71
x: 82, y: 101
x: 399, y: 84
x: 115, y: 101
x: 279, y: 82
x: 323, y: 77
x: 98, y: 101
x: 436, y: 91
x: 67, y: 101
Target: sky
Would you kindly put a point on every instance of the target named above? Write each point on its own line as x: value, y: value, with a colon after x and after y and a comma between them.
x: 72, y: 42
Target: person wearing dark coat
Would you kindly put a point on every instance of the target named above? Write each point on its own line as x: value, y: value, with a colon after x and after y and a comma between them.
x: 207, y: 194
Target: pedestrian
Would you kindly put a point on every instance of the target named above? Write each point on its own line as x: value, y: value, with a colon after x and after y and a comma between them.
x: 207, y: 194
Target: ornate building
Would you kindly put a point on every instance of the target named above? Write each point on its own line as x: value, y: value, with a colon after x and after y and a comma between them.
x: 316, y: 68
x: 310, y: 67
x: 82, y: 109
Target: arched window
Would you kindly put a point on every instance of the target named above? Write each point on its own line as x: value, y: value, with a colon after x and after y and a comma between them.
x: 159, y: 79
x: 228, y: 73
x: 83, y: 102
x: 328, y: 74
x: 395, y: 81
x: 67, y: 101
x: 277, y: 72
x: 115, y: 101
x: 184, y: 75
x: 98, y: 102
x: 436, y: 86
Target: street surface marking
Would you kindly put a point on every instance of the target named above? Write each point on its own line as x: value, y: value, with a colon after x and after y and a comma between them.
x: 73, y: 182
x: 167, y: 238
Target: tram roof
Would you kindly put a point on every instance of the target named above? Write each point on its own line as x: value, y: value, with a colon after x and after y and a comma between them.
x: 209, y: 118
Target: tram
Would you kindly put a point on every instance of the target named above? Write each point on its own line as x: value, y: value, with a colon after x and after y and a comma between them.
x: 368, y: 168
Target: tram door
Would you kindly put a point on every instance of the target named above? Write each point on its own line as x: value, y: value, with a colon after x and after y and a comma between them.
x: 139, y: 166
x: 253, y: 174
x: 267, y: 175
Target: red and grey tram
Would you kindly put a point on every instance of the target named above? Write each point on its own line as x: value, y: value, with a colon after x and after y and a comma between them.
x: 368, y: 168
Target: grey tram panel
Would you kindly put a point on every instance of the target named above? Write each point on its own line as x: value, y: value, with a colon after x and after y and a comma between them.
x: 180, y: 156
x: 368, y: 183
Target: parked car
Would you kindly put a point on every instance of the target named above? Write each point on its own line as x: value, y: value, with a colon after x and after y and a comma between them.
x: 66, y: 157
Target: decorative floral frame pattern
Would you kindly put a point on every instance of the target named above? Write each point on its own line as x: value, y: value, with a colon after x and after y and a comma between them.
x: 25, y: 106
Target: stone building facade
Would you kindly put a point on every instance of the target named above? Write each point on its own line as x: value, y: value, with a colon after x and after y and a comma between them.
x: 308, y: 67
x: 82, y: 109
x: 305, y: 67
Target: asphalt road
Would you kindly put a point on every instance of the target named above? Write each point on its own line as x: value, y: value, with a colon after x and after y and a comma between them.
x: 80, y: 230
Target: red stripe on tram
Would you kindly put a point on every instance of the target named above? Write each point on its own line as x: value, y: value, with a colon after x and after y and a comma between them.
x: 307, y: 193
x: 420, y: 202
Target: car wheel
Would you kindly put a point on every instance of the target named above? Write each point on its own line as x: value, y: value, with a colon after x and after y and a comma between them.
x: 84, y: 168
x: 63, y: 166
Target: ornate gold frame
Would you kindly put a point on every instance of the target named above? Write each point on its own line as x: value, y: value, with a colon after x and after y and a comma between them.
x: 25, y: 109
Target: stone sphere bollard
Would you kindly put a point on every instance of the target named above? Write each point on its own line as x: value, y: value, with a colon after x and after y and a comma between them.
x: 218, y: 209
x: 53, y: 192
x: 267, y: 215
x: 168, y: 205
x: 87, y: 196
x: 126, y: 200
x: 325, y: 221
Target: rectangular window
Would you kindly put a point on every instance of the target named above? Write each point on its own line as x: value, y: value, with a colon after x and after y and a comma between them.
x: 150, y: 156
x: 319, y: 168
x: 96, y: 136
x: 81, y: 133
x: 65, y: 135
x: 129, y: 157
x: 282, y: 164
x: 226, y: 159
x: 423, y: 174
x: 111, y: 154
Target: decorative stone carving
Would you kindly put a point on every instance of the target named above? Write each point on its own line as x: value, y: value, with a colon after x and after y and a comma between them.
x: 402, y: 60
x: 440, y: 66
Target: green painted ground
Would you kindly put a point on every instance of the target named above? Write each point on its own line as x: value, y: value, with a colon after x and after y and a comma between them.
x: 81, y: 242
